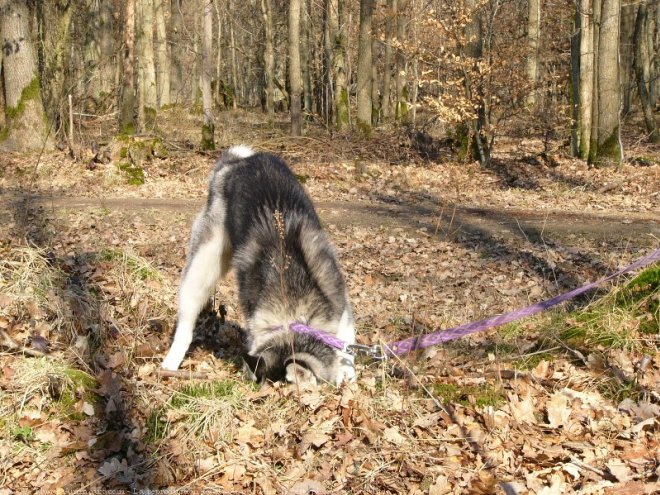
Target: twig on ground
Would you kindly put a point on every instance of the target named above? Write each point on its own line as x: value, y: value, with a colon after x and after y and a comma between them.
x: 190, y: 375
x: 584, y: 465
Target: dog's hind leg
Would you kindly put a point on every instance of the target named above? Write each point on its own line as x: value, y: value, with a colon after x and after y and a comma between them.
x: 207, y: 263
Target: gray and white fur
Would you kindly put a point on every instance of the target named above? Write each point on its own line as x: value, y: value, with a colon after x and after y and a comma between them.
x: 259, y: 220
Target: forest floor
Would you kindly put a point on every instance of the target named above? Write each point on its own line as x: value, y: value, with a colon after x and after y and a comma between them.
x: 564, y: 402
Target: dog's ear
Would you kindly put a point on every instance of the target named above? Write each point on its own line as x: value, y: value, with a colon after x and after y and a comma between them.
x: 299, y: 374
x: 256, y: 367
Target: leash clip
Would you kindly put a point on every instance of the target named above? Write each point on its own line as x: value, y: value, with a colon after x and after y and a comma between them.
x: 375, y: 351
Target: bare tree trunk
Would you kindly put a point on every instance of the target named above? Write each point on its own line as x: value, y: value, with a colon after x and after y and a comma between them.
x: 195, y: 69
x: 218, y: 54
x: 586, y: 77
x: 474, y: 139
x: 364, y: 74
x: 387, y: 72
x: 608, y: 149
x: 91, y: 51
x: 208, y: 128
x: 375, y: 93
x: 234, y: 65
x: 127, y: 103
x: 533, y: 36
x: 305, y: 58
x: 338, y: 32
x: 628, y: 13
x: 54, y: 47
x: 269, y: 55
x: 162, y: 54
x: 99, y: 53
x: 148, y: 90
x: 642, y: 71
x: 177, y: 52
x: 3, y: 119
x: 653, y: 31
x: 401, y: 105
x: 328, y: 93
x: 295, y: 79
x: 415, y: 70
x: 575, y: 81
x: 26, y: 129
x: 593, y: 137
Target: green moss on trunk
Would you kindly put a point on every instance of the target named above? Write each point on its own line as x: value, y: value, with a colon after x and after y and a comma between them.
x: 402, y: 107
x: 150, y: 117
x: 30, y: 92
x: 342, y: 110
x: 364, y: 128
x: 208, y: 141
x: 608, y: 152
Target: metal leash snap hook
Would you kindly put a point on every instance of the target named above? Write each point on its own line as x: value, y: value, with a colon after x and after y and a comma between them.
x: 375, y: 350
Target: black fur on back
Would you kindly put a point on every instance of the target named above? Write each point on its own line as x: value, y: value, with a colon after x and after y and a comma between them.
x: 288, y: 270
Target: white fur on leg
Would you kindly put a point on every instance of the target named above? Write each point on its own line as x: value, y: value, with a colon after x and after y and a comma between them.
x: 346, y: 332
x: 201, y: 275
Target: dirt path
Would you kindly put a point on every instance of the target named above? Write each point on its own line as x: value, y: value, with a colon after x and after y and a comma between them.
x: 532, y: 225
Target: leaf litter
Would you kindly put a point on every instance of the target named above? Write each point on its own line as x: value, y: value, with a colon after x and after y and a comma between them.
x: 94, y: 290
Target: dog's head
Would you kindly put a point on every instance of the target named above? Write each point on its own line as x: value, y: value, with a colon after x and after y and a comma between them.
x: 294, y: 358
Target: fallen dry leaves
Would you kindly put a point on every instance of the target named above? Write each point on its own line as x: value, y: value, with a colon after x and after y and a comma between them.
x: 414, y: 261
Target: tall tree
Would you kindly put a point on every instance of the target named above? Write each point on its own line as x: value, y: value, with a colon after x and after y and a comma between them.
x: 475, y: 141
x: 325, y: 106
x: 127, y: 99
x: 387, y: 72
x: 533, y: 37
x: 295, y: 76
x: 269, y: 55
x: 26, y: 128
x: 583, y: 76
x: 337, y: 29
x: 606, y: 147
x: 208, y: 127
x: 148, y: 91
x: 162, y: 54
x: 234, y: 64
x: 364, y: 71
x: 642, y: 64
x: 177, y: 51
x: 627, y: 49
x: 401, y: 108
x: 305, y: 56
x: 375, y: 87
x: 54, y: 55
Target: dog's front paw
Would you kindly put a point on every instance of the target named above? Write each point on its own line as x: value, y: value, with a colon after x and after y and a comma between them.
x: 173, y: 360
x: 345, y: 373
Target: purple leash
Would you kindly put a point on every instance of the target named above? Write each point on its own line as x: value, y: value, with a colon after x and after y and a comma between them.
x: 325, y: 337
x: 401, y: 347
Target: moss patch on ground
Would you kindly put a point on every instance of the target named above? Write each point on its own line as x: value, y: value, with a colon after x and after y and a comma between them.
x: 481, y: 395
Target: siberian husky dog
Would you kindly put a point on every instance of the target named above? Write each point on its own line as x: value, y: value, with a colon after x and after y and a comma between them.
x: 259, y: 220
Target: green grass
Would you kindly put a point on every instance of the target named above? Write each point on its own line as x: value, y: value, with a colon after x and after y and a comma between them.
x: 201, y: 406
x: 641, y: 296
x: 190, y: 393
x: 155, y: 427
x: 22, y: 433
x: 626, y: 318
x: 623, y: 319
x: 138, y: 266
